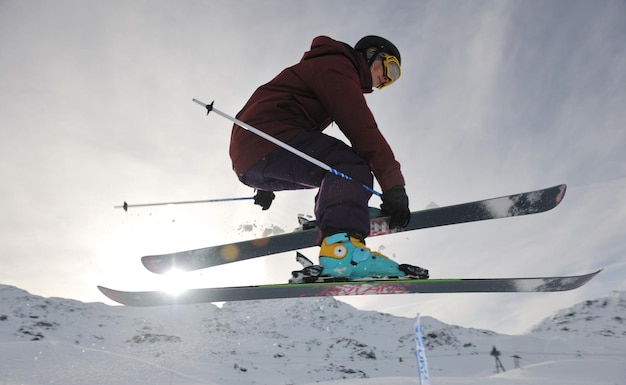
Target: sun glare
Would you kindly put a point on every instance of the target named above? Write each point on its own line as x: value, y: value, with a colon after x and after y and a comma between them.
x: 175, y: 282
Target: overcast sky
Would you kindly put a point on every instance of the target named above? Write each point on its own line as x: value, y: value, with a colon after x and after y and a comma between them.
x: 496, y: 97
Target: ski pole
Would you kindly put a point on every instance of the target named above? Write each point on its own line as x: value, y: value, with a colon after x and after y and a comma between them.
x: 287, y: 147
x: 126, y: 206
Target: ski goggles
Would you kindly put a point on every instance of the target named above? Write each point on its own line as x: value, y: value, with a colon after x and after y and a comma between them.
x: 391, y: 69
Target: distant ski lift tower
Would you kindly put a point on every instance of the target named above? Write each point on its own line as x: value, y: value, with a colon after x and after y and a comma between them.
x: 496, y: 354
x: 516, y: 359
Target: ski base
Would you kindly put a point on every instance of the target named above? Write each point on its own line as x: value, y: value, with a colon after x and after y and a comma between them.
x: 259, y: 292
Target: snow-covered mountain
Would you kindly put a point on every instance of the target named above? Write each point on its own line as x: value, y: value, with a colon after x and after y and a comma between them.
x: 601, y: 317
x: 295, y: 341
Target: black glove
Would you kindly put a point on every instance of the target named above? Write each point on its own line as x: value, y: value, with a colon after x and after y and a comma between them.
x: 264, y: 199
x: 396, y: 205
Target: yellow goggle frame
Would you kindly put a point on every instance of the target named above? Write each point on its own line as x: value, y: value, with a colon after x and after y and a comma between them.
x: 391, y: 69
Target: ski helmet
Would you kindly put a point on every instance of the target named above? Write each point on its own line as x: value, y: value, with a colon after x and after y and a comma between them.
x: 377, y: 48
x: 380, y: 45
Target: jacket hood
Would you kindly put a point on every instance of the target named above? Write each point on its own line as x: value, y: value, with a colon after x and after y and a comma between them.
x: 324, y: 45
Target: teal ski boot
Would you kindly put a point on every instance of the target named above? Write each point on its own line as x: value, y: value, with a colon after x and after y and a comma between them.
x: 346, y: 257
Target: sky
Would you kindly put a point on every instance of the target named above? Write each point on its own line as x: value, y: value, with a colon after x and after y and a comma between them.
x: 496, y: 98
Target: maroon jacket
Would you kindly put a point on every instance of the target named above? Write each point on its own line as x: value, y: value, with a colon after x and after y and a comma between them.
x: 327, y: 85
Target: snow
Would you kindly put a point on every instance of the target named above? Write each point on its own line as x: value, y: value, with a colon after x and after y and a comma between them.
x: 499, y: 207
x: 295, y: 341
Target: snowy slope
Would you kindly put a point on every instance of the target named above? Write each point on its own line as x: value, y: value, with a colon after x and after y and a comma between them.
x: 295, y: 341
x: 601, y: 317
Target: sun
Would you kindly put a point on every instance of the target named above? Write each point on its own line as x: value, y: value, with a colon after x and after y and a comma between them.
x: 175, y: 282
x: 244, y: 273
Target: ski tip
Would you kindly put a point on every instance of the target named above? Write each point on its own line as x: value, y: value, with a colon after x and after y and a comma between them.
x: 105, y: 290
x: 155, y: 265
x: 585, y: 278
x: 559, y: 197
x: 592, y: 274
x: 109, y: 293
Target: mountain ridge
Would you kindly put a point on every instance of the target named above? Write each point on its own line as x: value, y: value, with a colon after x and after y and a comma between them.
x: 282, y: 341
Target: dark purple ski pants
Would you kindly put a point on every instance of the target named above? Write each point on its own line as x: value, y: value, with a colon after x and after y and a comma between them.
x: 340, y: 204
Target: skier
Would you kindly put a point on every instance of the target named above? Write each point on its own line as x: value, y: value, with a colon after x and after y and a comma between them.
x: 327, y: 86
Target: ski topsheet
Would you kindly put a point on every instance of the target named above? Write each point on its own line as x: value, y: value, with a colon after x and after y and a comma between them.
x: 242, y: 293
x: 502, y: 207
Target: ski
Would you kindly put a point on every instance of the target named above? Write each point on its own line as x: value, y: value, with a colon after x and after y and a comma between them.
x: 506, y: 206
x: 261, y: 292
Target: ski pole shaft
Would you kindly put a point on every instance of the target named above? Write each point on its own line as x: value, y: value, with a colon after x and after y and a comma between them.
x: 126, y: 206
x: 283, y: 145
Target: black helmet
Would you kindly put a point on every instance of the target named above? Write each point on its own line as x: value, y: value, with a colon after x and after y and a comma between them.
x: 379, y: 44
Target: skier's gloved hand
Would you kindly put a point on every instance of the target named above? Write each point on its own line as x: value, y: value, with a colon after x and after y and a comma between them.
x: 396, y: 205
x: 264, y: 199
